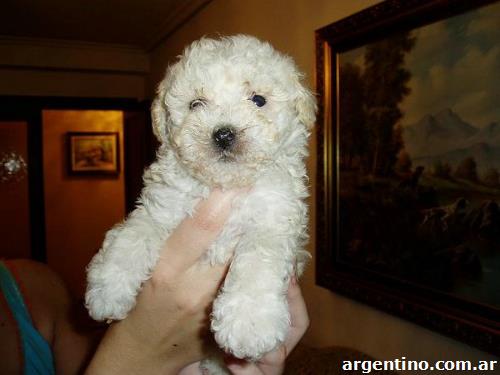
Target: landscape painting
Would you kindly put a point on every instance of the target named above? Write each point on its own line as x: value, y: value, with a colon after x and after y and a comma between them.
x: 93, y: 153
x: 419, y: 156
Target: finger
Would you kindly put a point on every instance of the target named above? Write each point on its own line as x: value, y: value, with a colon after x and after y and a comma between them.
x: 195, y: 234
x: 273, y: 363
x: 298, y: 314
x: 242, y: 367
x: 192, y: 369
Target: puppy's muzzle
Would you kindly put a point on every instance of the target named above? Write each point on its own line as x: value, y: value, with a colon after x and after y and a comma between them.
x: 224, y: 137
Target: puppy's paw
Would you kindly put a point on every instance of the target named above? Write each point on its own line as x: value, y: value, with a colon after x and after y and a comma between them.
x: 250, y: 326
x: 110, y: 292
x: 106, y: 304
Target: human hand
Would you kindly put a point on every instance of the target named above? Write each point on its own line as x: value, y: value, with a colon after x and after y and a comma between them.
x: 273, y: 363
x: 166, y: 329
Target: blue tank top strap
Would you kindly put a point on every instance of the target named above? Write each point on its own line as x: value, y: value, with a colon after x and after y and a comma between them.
x: 37, y: 353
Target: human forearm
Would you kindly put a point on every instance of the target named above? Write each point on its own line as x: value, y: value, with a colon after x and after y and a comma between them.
x: 121, y: 352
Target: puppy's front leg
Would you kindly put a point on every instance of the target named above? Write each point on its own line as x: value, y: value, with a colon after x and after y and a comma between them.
x: 117, y: 271
x: 250, y: 315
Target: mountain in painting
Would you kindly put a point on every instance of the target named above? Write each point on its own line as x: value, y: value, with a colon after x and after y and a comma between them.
x: 485, y: 155
x: 489, y: 134
x: 446, y: 137
x: 435, y: 134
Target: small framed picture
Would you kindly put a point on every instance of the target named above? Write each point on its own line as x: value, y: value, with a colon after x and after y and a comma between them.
x: 93, y: 153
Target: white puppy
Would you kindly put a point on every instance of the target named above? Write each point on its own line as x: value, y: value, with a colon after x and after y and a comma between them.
x: 230, y: 113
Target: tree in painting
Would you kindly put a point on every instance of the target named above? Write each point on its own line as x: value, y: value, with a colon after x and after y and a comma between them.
x: 467, y: 170
x: 403, y: 163
x: 352, y: 124
x: 441, y: 170
x: 492, y: 178
x: 385, y: 84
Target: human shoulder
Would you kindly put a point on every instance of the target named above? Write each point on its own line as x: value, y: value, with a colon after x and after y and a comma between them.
x: 40, y: 278
x: 44, y: 293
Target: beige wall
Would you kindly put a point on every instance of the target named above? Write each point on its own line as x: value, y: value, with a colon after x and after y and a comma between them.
x: 78, y: 210
x: 289, y: 25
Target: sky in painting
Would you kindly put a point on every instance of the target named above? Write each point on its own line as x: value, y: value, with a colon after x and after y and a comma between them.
x: 454, y: 64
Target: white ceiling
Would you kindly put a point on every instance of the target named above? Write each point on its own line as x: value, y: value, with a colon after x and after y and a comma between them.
x: 137, y: 23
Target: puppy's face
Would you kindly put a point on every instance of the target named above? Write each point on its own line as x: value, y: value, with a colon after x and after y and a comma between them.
x: 229, y: 108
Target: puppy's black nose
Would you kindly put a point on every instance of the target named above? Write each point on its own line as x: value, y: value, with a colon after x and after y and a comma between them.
x: 224, y: 137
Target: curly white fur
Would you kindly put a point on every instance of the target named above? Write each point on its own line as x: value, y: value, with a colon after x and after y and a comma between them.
x: 267, y: 228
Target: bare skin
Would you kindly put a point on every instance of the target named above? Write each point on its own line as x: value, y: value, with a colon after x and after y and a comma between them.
x: 51, y: 309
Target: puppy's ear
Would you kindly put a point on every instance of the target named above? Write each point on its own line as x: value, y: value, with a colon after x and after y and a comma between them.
x: 159, y: 115
x: 305, y: 105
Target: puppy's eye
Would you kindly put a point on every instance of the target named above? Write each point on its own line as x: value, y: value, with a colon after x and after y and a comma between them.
x: 259, y: 100
x: 197, y: 103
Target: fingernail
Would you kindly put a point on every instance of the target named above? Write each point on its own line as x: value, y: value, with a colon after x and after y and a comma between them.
x: 293, y: 280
